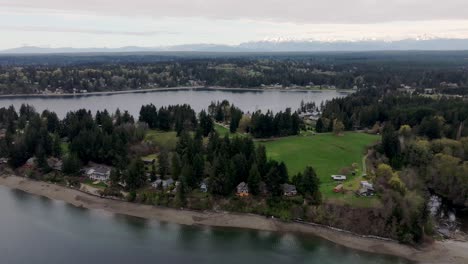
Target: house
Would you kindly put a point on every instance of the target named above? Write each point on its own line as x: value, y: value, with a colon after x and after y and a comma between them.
x: 98, y: 173
x: 338, y: 188
x: 429, y: 91
x: 289, y: 189
x: 339, y: 177
x: 157, y: 183
x: 176, y: 186
x: 367, y: 189
x: 55, y: 164
x: 167, y: 183
x: 3, y: 160
x: 242, y: 189
x: 148, y: 161
x: 366, y: 184
x: 30, y: 163
x: 204, y: 186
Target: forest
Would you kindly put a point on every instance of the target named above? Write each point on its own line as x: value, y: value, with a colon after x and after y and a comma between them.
x: 44, y: 74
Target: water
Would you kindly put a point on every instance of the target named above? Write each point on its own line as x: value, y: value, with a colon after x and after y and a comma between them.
x: 199, y: 99
x: 37, y: 230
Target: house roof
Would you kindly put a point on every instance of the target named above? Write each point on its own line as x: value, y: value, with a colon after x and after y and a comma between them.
x: 289, y: 188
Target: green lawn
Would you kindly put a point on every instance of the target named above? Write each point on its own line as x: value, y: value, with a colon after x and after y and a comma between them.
x: 327, y: 154
x: 167, y: 140
x: 65, y: 147
x: 222, y: 131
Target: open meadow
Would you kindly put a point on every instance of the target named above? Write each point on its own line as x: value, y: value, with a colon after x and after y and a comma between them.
x: 328, y: 154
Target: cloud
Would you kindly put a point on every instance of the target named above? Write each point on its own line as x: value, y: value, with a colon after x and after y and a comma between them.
x: 83, y: 30
x: 296, y: 11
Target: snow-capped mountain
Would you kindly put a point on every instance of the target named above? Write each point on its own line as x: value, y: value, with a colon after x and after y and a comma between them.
x: 424, y: 42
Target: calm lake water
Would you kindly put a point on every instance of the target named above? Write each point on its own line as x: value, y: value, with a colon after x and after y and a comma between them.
x: 199, y: 99
x: 38, y: 230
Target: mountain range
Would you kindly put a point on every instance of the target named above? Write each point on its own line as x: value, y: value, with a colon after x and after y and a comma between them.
x: 271, y: 46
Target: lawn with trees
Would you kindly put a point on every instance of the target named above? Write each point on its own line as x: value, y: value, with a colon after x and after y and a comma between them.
x: 327, y: 153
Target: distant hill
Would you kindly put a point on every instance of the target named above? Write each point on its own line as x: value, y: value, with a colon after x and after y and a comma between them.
x: 271, y: 46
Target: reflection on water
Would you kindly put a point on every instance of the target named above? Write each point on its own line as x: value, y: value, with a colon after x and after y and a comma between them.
x: 198, y: 99
x: 35, y: 231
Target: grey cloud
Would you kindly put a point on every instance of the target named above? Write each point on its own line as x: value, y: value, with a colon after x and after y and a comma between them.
x: 86, y: 31
x: 298, y: 11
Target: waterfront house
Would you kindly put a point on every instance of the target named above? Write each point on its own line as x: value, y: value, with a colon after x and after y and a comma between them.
x: 55, y: 164
x: 339, y: 177
x: 30, y: 163
x: 289, y: 190
x: 242, y: 189
x: 167, y: 183
x: 204, y: 186
x: 98, y: 173
x: 157, y: 183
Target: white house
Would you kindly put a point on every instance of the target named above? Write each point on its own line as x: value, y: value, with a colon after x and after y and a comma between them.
x: 98, y: 173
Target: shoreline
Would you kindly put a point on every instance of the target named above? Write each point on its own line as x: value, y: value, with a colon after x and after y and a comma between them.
x: 448, y: 251
x: 162, y: 89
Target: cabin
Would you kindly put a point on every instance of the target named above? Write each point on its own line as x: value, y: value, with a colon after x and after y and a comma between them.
x: 339, y: 188
x: 55, y: 164
x: 98, y: 173
x: 289, y: 190
x: 242, y: 189
x: 339, y: 177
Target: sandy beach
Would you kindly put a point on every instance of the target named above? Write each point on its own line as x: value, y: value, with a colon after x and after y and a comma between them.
x: 448, y: 251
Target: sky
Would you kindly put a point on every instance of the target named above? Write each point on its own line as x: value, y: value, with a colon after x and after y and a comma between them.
x: 151, y: 23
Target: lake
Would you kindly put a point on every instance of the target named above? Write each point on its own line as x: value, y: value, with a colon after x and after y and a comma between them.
x: 38, y: 230
x: 275, y: 100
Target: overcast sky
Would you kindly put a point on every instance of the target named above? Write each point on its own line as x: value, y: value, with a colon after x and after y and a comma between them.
x: 117, y: 23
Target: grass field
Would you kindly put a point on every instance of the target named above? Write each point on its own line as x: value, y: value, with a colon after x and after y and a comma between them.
x: 327, y: 154
x: 167, y: 140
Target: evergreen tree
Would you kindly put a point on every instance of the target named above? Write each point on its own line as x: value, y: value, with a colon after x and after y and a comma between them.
x: 135, y: 175
x: 319, y: 128
x: 71, y: 164
x: 254, y: 180
x: 114, y: 177
x: 176, y: 166
x: 163, y: 164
